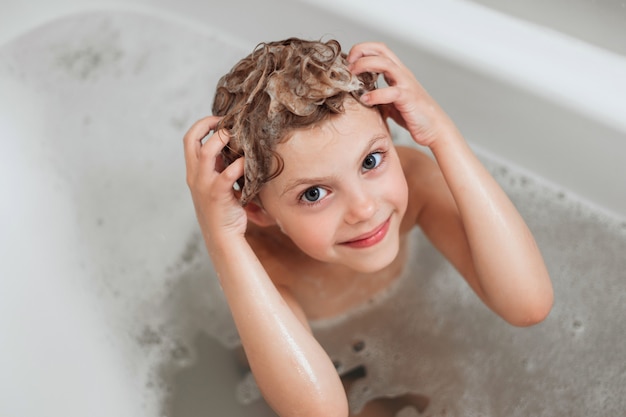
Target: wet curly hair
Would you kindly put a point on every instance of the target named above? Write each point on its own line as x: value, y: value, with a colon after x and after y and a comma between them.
x: 281, y: 86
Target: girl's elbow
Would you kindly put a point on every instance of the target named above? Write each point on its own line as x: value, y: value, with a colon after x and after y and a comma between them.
x: 534, y: 312
x: 334, y: 408
x: 327, y: 403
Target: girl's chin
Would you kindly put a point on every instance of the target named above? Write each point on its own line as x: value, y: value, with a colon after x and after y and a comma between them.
x: 373, y: 263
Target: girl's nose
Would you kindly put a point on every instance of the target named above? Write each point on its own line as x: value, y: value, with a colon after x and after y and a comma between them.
x: 361, y: 207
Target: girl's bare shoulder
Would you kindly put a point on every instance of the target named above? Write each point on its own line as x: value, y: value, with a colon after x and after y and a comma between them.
x: 423, y: 177
x: 416, y: 163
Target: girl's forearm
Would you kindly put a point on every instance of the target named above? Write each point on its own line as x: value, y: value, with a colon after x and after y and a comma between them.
x: 509, y: 267
x: 294, y: 373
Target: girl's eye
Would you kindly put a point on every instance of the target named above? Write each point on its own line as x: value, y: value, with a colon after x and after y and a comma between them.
x: 313, y: 194
x: 372, y: 160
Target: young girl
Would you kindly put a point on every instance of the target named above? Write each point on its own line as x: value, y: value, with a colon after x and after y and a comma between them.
x: 302, y: 197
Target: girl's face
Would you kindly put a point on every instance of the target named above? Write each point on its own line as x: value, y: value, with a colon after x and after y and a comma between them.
x: 342, y: 194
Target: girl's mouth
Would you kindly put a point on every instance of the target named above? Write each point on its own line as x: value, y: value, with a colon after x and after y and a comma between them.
x: 370, y: 238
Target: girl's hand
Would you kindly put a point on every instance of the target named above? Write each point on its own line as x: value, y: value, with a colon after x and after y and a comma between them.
x: 404, y: 100
x: 219, y: 213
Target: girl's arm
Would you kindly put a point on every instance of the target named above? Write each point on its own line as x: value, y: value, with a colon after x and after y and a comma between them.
x: 293, y: 372
x: 463, y: 210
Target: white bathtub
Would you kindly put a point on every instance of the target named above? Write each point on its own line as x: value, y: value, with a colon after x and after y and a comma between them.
x: 98, y: 243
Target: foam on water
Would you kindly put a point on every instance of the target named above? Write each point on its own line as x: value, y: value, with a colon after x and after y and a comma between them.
x: 121, y: 89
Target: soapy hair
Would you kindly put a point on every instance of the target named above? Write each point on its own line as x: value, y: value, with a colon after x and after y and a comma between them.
x: 281, y: 86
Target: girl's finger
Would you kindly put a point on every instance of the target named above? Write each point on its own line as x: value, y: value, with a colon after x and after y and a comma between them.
x: 192, y: 141
x: 230, y: 175
x: 387, y: 95
x: 371, y: 49
x: 377, y: 64
x: 210, y: 150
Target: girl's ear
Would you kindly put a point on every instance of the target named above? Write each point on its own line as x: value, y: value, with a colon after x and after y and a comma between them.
x: 257, y: 215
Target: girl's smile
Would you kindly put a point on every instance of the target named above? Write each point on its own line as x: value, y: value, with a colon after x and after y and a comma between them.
x: 371, y: 238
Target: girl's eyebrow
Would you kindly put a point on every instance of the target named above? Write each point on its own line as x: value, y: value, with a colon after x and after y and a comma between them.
x: 311, y: 180
x: 321, y: 180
